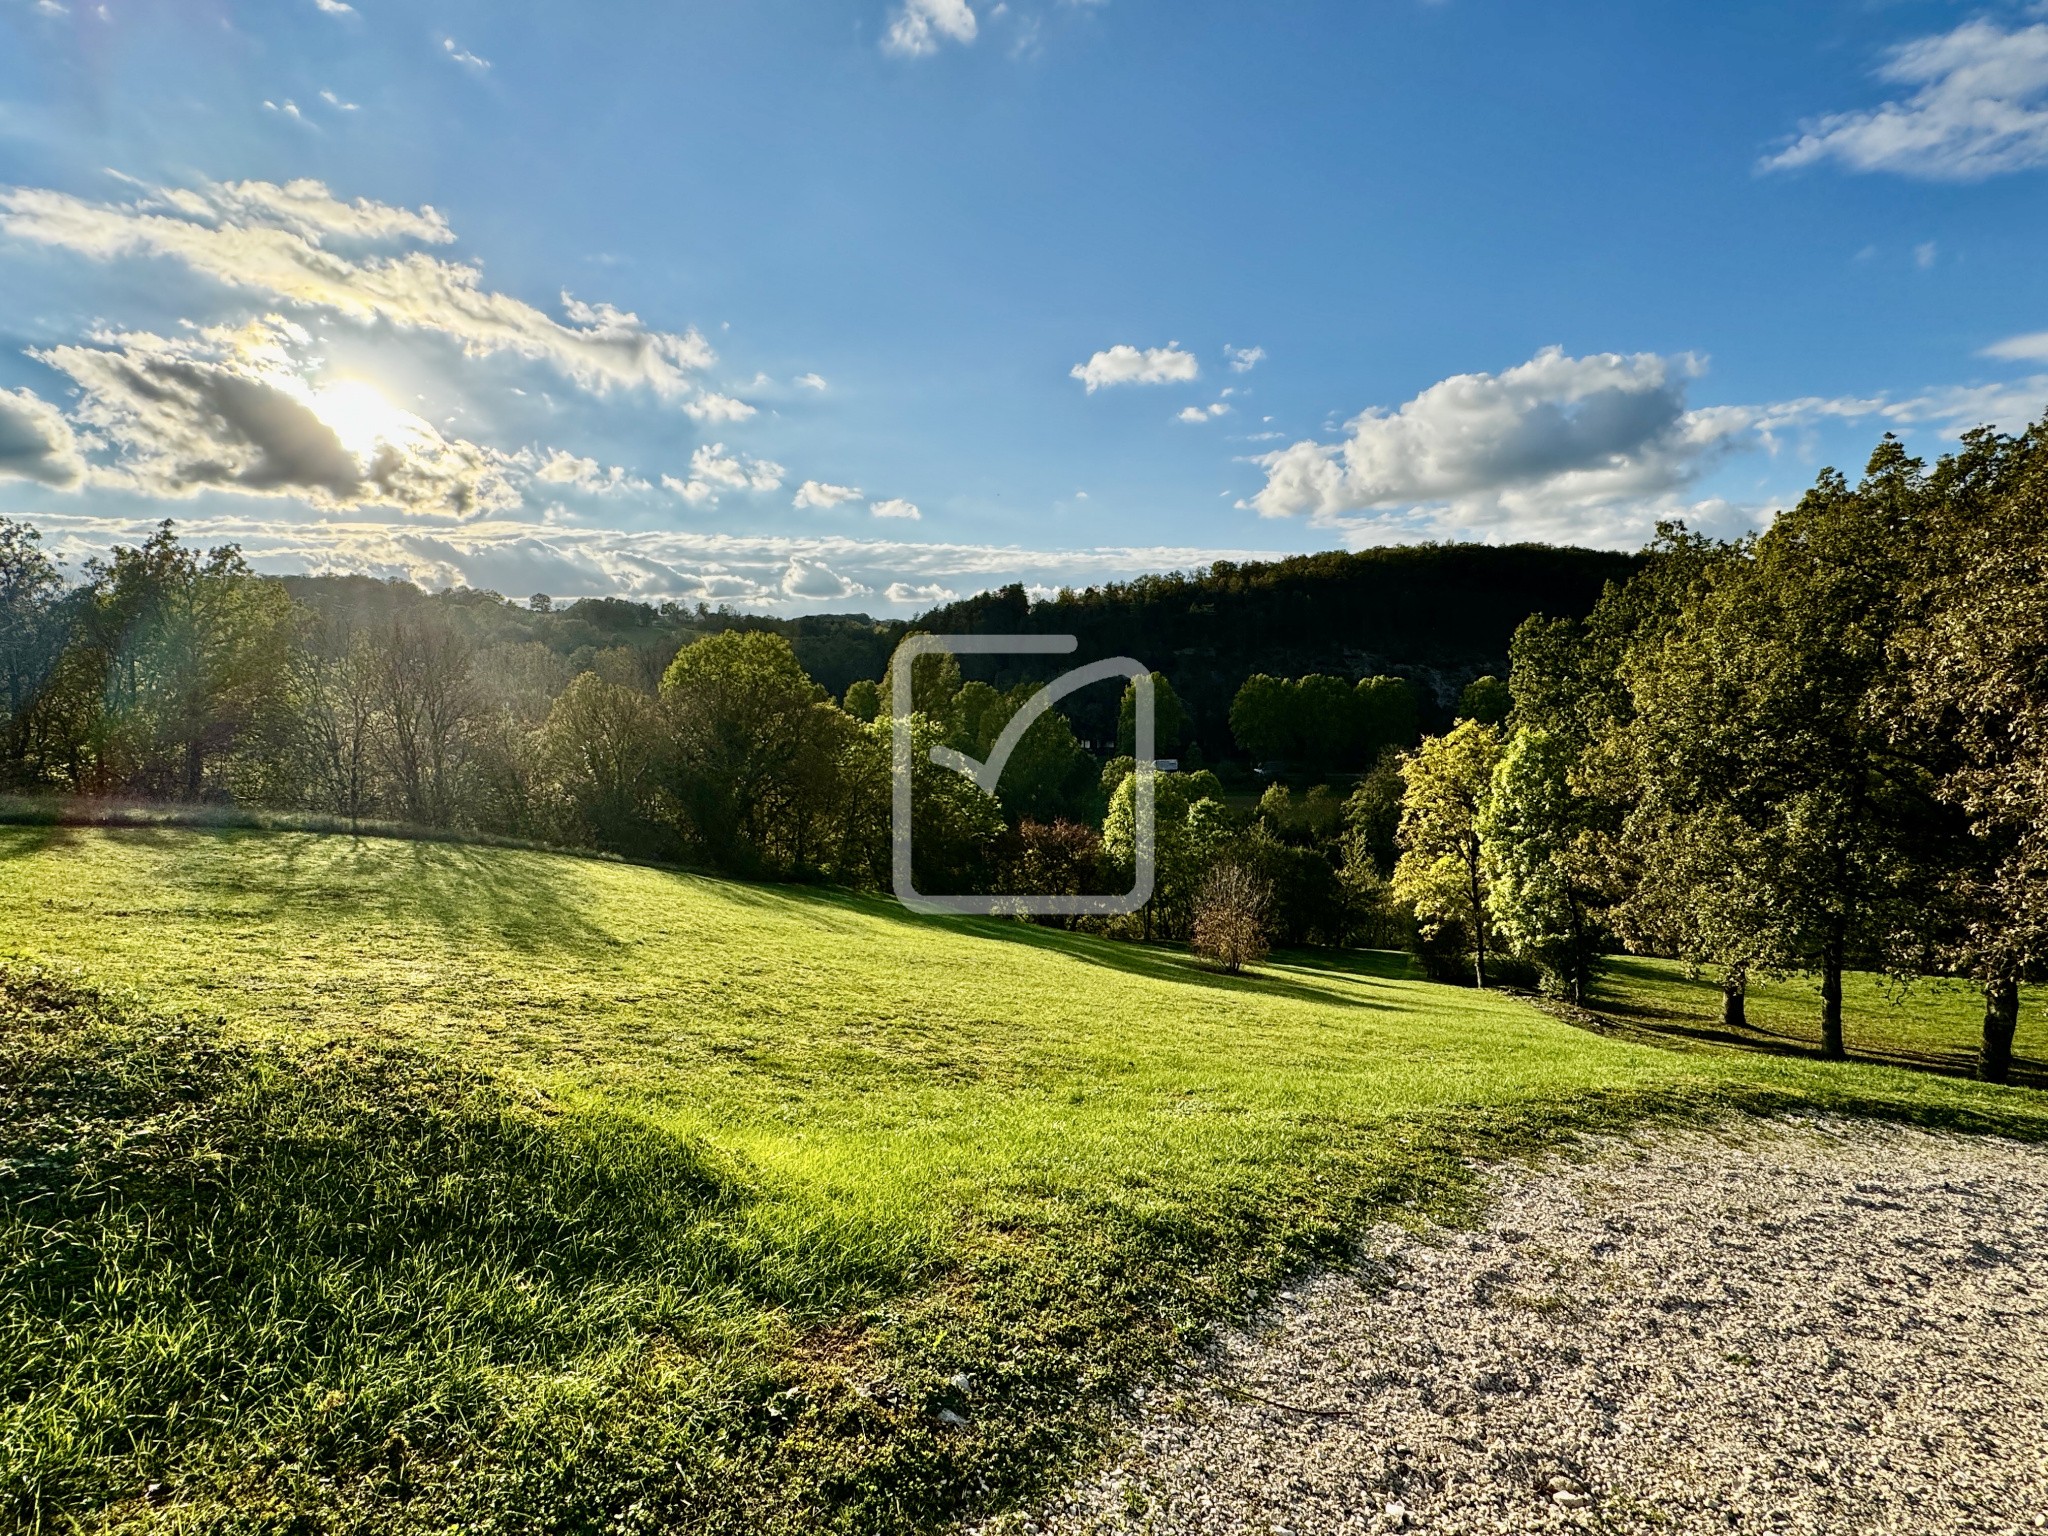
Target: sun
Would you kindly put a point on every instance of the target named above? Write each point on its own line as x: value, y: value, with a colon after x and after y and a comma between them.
x: 361, y: 418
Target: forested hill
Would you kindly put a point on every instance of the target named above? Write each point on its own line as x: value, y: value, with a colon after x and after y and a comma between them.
x: 1440, y: 614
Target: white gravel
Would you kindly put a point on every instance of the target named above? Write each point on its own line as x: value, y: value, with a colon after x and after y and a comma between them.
x: 1822, y: 1326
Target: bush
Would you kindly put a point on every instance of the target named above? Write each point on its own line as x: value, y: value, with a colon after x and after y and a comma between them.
x: 1231, y: 917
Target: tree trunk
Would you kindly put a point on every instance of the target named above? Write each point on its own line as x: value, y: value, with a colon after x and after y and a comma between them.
x: 1735, y: 995
x: 1831, y: 1004
x: 1478, y: 924
x: 2001, y: 1018
x: 195, y: 769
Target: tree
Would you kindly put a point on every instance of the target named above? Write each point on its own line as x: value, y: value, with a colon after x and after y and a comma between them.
x: 1975, y: 679
x: 193, y: 655
x: 749, y: 752
x: 600, y: 747
x: 1190, y: 826
x: 33, y: 625
x: 428, y: 695
x: 1262, y: 718
x: 863, y: 700
x: 1546, y: 869
x: 1230, y: 917
x: 1169, y: 718
x: 1442, y: 869
x: 1389, y: 717
x: 1487, y: 700
x: 1757, y: 722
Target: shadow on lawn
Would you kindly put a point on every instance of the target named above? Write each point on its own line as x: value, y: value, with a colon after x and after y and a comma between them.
x: 1640, y: 1023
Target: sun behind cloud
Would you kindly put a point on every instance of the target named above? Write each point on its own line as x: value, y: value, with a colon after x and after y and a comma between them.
x: 362, y: 419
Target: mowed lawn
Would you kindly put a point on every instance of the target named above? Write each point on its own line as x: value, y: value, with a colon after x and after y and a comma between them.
x: 893, y: 1207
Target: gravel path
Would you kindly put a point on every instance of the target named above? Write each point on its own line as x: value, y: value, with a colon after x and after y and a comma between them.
x: 1826, y: 1327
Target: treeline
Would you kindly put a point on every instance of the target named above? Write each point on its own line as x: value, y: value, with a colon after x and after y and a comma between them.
x: 1819, y: 748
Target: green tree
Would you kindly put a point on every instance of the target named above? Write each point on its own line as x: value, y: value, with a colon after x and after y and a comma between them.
x: 1169, y: 719
x: 1487, y: 700
x: 1262, y: 718
x: 1389, y: 717
x: 1442, y: 870
x: 600, y: 746
x: 863, y: 700
x: 193, y: 655
x: 33, y: 631
x: 1974, y: 678
x: 751, y: 753
x: 1757, y: 717
x: 1547, y: 867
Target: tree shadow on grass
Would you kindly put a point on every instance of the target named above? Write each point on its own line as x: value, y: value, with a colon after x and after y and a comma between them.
x: 26, y: 839
x: 1645, y: 1023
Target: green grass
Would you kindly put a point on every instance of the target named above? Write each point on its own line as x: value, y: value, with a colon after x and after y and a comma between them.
x: 1931, y: 1024
x: 355, y: 1184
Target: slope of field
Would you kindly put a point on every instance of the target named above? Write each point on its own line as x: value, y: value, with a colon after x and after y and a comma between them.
x: 527, y: 1192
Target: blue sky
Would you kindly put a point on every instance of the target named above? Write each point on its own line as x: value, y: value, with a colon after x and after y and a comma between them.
x: 864, y: 303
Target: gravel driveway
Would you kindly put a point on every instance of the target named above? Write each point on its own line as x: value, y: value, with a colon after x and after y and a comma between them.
x: 1823, y: 1326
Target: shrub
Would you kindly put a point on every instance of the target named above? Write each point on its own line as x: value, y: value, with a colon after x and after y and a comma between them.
x: 1231, y: 917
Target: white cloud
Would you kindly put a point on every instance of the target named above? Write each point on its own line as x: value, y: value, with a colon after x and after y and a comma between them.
x: 1924, y: 254
x: 810, y: 381
x: 463, y: 56
x: 1244, y: 359
x: 911, y: 594
x: 518, y: 556
x: 37, y: 443
x: 335, y: 7
x: 713, y: 470
x: 1979, y: 108
x: 279, y: 241
x: 1129, y: 365
x: 2031, y: 348
x: 236, y: 409
x: 285, y: 109
x: 818, y: 582
x: 1196, y: 413
x: 711, y: 406
x: 337, y: 103
x: 822, y: 493
x: 567, y: 469
x: 919, y: 26
x: 896, y: 506
x: 1582, y: 448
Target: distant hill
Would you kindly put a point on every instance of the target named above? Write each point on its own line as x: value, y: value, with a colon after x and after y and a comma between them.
x: 1438, y: 614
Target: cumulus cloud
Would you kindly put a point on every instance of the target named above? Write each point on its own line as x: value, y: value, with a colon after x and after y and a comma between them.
x: 818, y: 582
x: 896, y: 506
x: 561, y: 468
x: 299, y: 245
x: 230, y: 408
x: 824, y: 494
x: 918, y: 27
x: 1195, y: 413
x: 1978, y: 107
x: 715, y: 407
x: 1131, y: 365
x: 713, y: 470
x: 37, y: 443
x: 919, y: 595
x: 335, y: 7
x: 1244, y: 359
x: 1588, y: 448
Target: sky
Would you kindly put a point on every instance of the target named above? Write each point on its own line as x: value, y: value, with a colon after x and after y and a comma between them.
x: 831, y: 305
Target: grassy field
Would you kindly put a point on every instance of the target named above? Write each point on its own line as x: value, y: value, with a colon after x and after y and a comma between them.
x: 368, y: 1185
x: 1930, y: 1024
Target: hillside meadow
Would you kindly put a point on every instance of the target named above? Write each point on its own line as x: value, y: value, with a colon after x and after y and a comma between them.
x: 358, y: 1184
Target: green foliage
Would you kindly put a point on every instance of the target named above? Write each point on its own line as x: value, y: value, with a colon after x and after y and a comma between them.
x: 1169, y: 718
x: 1487, y: 700
x: 1547, y: 869
x: 863, y: 700
x: 1442, y: 872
